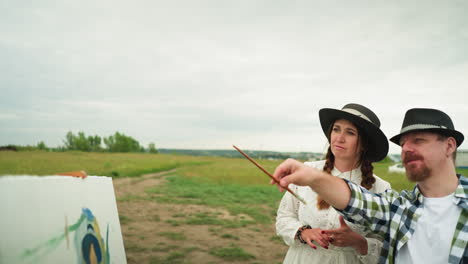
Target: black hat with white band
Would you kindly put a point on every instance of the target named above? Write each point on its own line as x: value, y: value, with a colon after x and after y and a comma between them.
x: 426, y: 119
x: 363, y: 118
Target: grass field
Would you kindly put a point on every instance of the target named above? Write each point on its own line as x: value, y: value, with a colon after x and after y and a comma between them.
x: 229, y: 182
x: 215, y: 170
x: 214, y: 185
x: 103, y: 164
x: 232, y: 183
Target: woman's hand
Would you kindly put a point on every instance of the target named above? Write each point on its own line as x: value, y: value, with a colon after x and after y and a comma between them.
x: 315, y: 234
x: 344, y: 236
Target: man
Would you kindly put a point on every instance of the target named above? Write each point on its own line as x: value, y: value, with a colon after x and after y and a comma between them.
x: 426, y: 225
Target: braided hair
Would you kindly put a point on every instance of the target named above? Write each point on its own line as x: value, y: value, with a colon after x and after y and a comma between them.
x: 367, y: 169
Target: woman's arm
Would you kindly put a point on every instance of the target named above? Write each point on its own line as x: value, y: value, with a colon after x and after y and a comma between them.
x: 374, y: 241
x: 287, y: 219
x: 374, y: 245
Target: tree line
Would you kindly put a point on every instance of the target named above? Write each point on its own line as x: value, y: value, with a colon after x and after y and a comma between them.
x: 118, y: 142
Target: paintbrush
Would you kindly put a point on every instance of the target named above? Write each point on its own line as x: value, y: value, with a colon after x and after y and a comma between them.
x: 271, y: 176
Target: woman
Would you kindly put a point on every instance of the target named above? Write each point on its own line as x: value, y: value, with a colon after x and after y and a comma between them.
x: 315, y: 232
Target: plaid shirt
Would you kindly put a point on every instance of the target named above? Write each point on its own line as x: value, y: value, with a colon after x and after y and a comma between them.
x: 394, y: 216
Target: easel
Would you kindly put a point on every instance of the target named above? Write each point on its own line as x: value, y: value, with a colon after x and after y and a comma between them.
x: 78, y: 174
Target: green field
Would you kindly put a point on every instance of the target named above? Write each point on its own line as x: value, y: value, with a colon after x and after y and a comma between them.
x: 231, y: 184
x: 214, y: 170
x: 103, y: 164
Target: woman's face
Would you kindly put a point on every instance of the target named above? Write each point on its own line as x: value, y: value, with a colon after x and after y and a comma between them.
x: 344, y: 140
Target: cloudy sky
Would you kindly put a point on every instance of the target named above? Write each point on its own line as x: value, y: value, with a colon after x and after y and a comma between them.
x: 209, y: 74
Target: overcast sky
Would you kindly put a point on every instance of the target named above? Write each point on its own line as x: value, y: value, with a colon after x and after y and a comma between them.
x: 209, y: 74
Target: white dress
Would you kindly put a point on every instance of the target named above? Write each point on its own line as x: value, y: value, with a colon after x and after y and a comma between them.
x: 292, y: 215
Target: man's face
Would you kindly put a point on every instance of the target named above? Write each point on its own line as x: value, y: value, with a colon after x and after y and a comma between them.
x: 421, y: 152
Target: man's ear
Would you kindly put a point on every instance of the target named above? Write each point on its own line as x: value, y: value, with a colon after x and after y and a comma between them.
x: 451, y: 146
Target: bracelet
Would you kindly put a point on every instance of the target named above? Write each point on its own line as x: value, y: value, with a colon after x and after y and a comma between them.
x: 299, y: 231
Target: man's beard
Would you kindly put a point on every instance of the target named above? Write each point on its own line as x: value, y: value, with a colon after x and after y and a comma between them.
x: 416, y: 174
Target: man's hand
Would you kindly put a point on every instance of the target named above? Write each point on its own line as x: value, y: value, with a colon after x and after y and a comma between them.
x: 293, y: 171
x: 332, y: 189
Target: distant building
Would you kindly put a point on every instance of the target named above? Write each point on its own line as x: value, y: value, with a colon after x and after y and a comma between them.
x: 397, y: 168
x: 462, y: 158
x: 395, y: 157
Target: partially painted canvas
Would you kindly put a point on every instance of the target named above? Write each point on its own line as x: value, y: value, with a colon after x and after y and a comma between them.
x: 59, y: 219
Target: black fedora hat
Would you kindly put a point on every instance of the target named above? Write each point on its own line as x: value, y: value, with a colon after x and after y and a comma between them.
x: 363, y: 118
x: 427, y: 119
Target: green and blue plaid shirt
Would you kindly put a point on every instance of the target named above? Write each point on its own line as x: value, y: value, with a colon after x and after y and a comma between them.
x: 394, y: 216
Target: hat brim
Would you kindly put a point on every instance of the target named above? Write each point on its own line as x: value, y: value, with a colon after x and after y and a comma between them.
x: 378, y: 142
x: 446, y: 132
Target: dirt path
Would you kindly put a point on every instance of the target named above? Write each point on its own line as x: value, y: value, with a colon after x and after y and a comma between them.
x: 137, y: 186
x: 152, y: 234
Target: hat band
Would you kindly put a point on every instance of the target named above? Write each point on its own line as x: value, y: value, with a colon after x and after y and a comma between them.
x: 356, y: 113
x: 420, y: 126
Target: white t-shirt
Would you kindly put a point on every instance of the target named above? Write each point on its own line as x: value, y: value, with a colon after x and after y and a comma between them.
x: 434, y: 231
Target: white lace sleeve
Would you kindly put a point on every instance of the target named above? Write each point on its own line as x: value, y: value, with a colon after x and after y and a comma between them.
x: 287, y: 221
x: 374, y: 241
x: 374, y: 245
x: 380, y: 185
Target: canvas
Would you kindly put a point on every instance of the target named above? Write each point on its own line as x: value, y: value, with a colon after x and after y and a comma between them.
x: 59, y: 219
